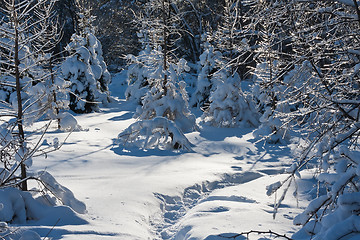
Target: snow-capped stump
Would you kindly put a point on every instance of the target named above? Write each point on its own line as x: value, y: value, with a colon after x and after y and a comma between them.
x: 159, y: 132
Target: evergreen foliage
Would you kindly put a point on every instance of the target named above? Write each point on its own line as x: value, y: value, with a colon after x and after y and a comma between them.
x: 85, y: 68
x: 229, y: 106
x: 210, y: 62
x: 166, y: 95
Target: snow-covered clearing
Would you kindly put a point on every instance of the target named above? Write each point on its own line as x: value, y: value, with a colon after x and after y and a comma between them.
x: 218, y: 188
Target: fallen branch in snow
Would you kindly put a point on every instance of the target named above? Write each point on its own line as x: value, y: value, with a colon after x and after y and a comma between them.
x: 276, y: 235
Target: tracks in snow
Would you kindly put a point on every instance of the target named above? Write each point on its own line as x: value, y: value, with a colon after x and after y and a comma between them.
x: 175, y: 207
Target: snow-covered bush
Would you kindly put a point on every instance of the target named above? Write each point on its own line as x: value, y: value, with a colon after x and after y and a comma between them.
x: 162, y: 95
x: 57, y: 193
x: 18, y: 207
x: 67, y: 122
x: 229, y: 105
x: 159, y: 132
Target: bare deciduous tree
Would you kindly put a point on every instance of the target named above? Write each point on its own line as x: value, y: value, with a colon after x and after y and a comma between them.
x: 25, y: 37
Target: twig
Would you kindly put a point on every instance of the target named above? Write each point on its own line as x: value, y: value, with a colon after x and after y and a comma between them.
x: 4, y: 237
x: 277, y: 235
x: 52, y: 228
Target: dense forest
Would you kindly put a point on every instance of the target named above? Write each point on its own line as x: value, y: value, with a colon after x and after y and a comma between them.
x: 288, y: 69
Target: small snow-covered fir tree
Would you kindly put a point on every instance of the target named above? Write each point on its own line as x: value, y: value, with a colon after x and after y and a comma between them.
x: 209, y: 63
x: 139, y: 69
x: 169, y: 99
x: 164, y: 114
x: 85, y: 67
x: 166, y: 96
x: 229, y: 105
x: 269, y: 96
x: 56, y: 90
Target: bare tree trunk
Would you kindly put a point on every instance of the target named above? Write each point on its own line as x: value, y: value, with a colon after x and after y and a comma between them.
x: 54, y: 91
x: 19, y: 100
x: 165, y: 44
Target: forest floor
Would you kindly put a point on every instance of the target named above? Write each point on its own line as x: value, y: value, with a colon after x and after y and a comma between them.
x: 217, y: 189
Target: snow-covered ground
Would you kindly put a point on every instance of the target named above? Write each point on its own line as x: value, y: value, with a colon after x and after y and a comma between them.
x: 218, y: 188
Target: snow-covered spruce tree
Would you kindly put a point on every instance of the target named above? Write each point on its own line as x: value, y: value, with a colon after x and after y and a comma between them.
x: 273, y: 61
x: 85, y: 68
x: 210, y: 61
x: 328, y: 116
x: 140, y: 66
x: 166, y: 97
x: 229, y: 105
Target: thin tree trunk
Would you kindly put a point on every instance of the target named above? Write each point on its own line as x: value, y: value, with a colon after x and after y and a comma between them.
x: 165, y: 45
x: 54, y: 91
x: 19, y: 100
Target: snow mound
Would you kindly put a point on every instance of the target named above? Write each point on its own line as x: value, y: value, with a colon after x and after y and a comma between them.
x: 30, y: 235
x: 18, y: 207
x: 61, y: 192
x: 158, y: 133
x: 68, y: 122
